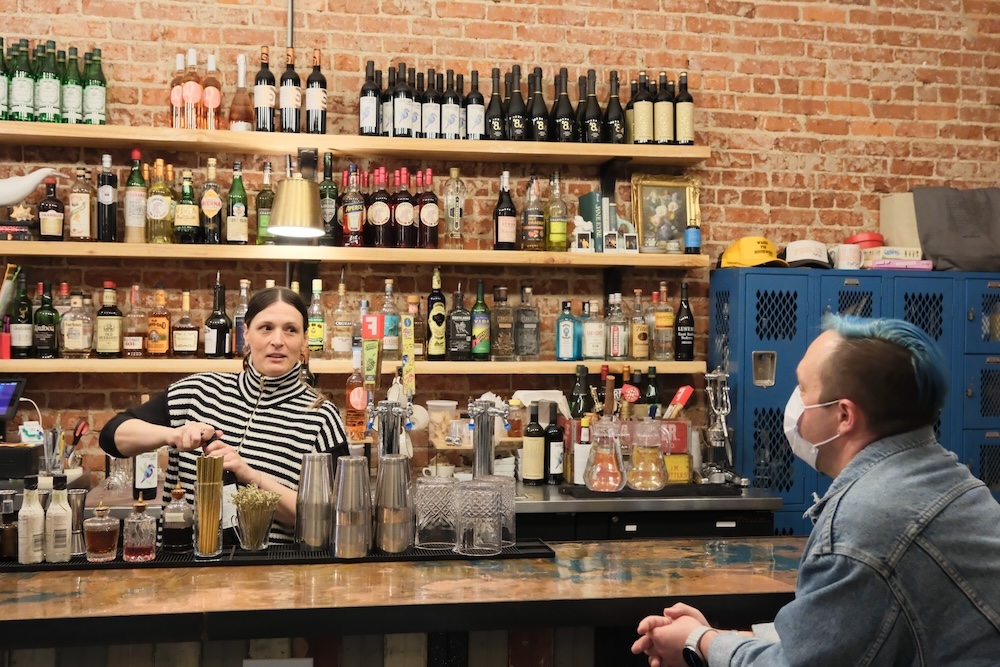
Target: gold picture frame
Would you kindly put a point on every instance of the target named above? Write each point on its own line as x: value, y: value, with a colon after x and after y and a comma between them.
x: 662, y: 207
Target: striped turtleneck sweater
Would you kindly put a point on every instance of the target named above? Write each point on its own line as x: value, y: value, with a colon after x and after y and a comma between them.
x: 270, y: 420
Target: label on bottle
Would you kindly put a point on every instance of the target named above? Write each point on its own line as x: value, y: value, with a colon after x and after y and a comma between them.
x: 640, y: 341
x: 557, y: 231
x: 663, y: 122
x: 211, y: 341
x: 461, y: 123
x: 238, y: 225
x: 107, y: 195
x: 357, y: 398
x: 211, y: 97
x: 685, y: 122
x: 4, y: 84
x: 109, y: 334
x: 692, y: 240
x: 94, y: 104
x: 263, y: 222
x: 385, y: 126
x: 211, y: 203
x: 533, y: 458
x: 555, y: 458
x: 20, y: 335
x: 72, y: 103
x: 157, y: 207
x: 191, y: 92
x: 240, y: 126
x: 174, y: 517
x: 316, y: 99
x: 79, y: 215
x: 263, y: 96
x: 135, y: 206
x: 481, y: 333
x: 342, y: 338
x: 316, y: 334
x: 145, y: 471
x: 157, y: 338
x: 378, y: 213
x: 450, y: 121
x: 416, y: 123
x: 404, y: 214
x: 475, y: 127
x: 47, y: 96
x: 431, y: 118
x: 228, y: 506
x: 564, y: 340
x: 616, y: 340
x: 685, y: 335
x: 186, y: 340
x: 328, y: 209
x: 45, y: 340
x: 186, y: 215
x: 22, y: 95
x: 643, y: 122
x: 390, y: 337
x: 369, y: 115
x: 50, y: 223
x: 72, y: 335
x: 664, y: 319
x: 506, y: 229
x: 436, y: 322
x: 132, y: 342
x: 430, y: 215
x: 593, y: 339
x: 533, y: 229
x: 401, y: 125
x: 453, y: 212
x: 354, y: 212
x: 290, y: 97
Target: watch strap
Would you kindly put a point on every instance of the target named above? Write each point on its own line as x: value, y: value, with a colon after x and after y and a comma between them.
x: 693, y: 641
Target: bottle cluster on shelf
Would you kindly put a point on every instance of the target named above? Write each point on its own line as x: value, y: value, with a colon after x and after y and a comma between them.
x: 437, y: 107
x: 47, y: 85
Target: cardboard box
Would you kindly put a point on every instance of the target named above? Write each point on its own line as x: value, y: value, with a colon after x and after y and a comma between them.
x: 898, y: 220
x: 678, y: 468
x: 904, y: 264
x: 869, y: 255
x: 674, y: 436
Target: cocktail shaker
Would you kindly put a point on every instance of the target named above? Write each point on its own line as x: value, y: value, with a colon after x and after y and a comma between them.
x: 393, y: 505
x: 313, y: 503
x: 352, y: 531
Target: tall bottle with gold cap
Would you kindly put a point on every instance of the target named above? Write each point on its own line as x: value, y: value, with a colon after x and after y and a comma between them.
x: 159, y: 207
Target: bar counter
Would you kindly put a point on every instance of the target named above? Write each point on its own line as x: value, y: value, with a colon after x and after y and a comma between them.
x: 735, y: 582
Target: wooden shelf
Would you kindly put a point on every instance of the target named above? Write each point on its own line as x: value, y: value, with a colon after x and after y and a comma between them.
x: 281, y: 253
x: 345, y: 146
x: 340, y: 367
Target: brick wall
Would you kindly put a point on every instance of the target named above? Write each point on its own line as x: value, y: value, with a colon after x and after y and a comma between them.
x: 813, y: 111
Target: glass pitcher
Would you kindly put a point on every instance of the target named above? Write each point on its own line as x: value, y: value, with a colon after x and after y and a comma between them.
x: 648, y: 471
x: 605, y: 468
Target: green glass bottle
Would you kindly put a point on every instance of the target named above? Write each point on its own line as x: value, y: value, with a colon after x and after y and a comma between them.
x: 21, y: 321
x: 46, y: 335
x: 480, y: 327
x: 187, y: 215
x: 95, y: 92
x: 61, y: 63
x: 4, y: 84
x: 264, y: 203
x: 236, y: 209
x: 22, y: 86
x: 72, y: 90
x: 332, y: 231
x: 48, y: 108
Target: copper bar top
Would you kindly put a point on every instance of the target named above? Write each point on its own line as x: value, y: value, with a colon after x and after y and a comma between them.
x: 587, y: 583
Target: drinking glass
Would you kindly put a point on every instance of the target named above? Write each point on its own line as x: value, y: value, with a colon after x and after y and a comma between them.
x: 435, y: 510
x: 508, y: 495
x: 478, y: 518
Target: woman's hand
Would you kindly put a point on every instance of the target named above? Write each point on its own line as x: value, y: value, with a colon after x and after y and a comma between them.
x: 192, y: 435
x: 231, y: 460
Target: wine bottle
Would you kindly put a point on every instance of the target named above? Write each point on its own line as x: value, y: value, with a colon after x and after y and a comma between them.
x: 684, y: 329
x: 630, y: 113
x: 316, y: 98
x: 430, y: 213
x: 462, y: 111
x: 187, y: 222
x: 580, y: 401
x: 592, y: 118
x: 218, y: 326
x: 237, y: 223
x: 402, y: 99
x: 475, y: 109
x: 386, y: 121
x: 290, y: 95
x: 241, y: 112
x: 264, y: 95
x: 211, y: 206
x: 451, y: 110
x: 565, y: 119
x: 436, y: 320
x: 211, y: 98
x: 369, y: 103
x: 95, y: 92
x: 380, y: 227
x: 144, y: 475
x: 416, y: 84
x: 538, y: 116
x: 480, y: 326
x: 264, y: 203
x: 404, y: 213
x: 495, y: 122
x: 430, y: 109
x: 614, y: 117
x: 581, y: 106
x: 72, y: 90
x: 663, y: 112
x: 504, y: 217
x: 328, y: 203
x: 553, y: 447
x: 517, y: 112
x: 684, y: 111
x: 643, y: 113
x: 533, y: 460
x: 107, y: 202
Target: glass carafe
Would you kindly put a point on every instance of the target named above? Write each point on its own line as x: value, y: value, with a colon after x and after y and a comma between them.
x: 101, y: 535
x: 605, y: 469
x: 647, y: 470
x: 139, y: 540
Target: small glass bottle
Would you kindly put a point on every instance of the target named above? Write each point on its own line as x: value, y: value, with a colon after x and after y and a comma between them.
x: 178, y: 523
x: 419, y: 325
x: 139, y: 542
x: 136, y: 326
x: 502, y: 330
x: 390, y: 315
x: 566, y: 340
x: 454, y: 203
x: 526, y: 328
x: 100, y: 533
x: 8, y: 526
x: 515, y: 418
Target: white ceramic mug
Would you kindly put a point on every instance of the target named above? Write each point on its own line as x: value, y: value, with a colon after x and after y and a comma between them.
x: 439, y: 471
x: 846, y: 256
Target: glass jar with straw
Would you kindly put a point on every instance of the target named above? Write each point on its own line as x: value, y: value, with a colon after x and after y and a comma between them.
x: 208, y: 507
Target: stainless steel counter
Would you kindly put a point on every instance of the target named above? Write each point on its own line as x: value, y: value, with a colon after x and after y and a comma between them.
x: 546, y: 499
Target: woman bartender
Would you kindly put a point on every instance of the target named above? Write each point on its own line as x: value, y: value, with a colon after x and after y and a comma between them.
x: 261, y: 420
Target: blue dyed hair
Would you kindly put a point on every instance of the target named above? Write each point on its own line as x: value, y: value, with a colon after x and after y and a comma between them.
x: 891, y: 368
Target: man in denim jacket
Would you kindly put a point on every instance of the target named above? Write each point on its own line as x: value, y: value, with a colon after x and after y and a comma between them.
x: 903, y: 563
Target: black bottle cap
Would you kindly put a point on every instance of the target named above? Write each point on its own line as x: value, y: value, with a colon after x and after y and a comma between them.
x: 31, y: 482
x: 59, y: 483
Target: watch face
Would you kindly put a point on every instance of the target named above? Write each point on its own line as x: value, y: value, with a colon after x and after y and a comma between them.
x: 691, y: 658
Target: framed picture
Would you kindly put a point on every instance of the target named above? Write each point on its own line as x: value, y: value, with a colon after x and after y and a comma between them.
x: 631, y: 243
x: 662, y: 207
x: 583, y: 242
x: 611, y: 242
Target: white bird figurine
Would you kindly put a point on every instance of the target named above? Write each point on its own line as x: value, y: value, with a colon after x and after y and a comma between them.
x: 16, y: 188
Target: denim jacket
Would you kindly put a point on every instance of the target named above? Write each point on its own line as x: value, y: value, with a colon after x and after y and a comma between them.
x: 902, y: 568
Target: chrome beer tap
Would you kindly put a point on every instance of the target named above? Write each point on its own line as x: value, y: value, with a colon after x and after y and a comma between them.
x: 389, y: 414
x: 482, y: 414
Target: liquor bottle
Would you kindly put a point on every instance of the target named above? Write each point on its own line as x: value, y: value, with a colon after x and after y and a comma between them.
x: 316, y: 332
x: 48, y: 106
x: 526, y: 328
x: 158, y: 325
x: 218, y: 326
x: 241, y: 110
x: 290, y: 95
x: 390, y: 323
x: 159, y: 208
x: 436, y: 320
x: 136, y: 326
x: 176, y: 94
x: 75, y: 330
x: 211, y: 206
x: 341, y: 325
x: 51, y: 213
x: 554, y: 447
x: 46, y: 327
x: 533, y: 460
x: 504, y: 217
x: 638, y: 330
x: 369, y: 103
x: 617, y: 330
x: 533, y: 219
x: 332, y: 232
x: 429, y: 213
x: 662, y: 330
x: 692, y: 236
x: 613, y: 128
x: 592, y: 129
x: 187, y: 221
x: 356, y: 398
x: 459, y: 334
x: 566, y: 349
x: 642, y: 113
x: 475, y: 108
x: 21, y: 322
x: 496, y: 124
x: 562, y: 111
x: 454, y: 207
x: 192, y: 92
x: 22, y: 87
x: 416, y: 83
x: 135, y: 202
x: 385, y: 105
x: 263, y: 202
x: 538, y: 113
x: 480, y: 327
x: 30, y: 523
x: 663, y: 113
x: 451, y: 109
x: 239, y: 319
x: 404, y: 213
x: 61, y: 301
x: 185, y: 331
x: 264, y: 95
x: 684, y: 329
x: 430, y: 109
x: 684, y: 112
x: 419, y: 326
x: 353, y: 206
x: 462, y: 111
x: 210, y: 117
x: 556, y: 218
x: 381, y: 229
x: 502, y: 346
x: 80, y: 207
x: 107, y: 202
x: 602, y: 388
x: 517, y: 112
x: 71, y: 93
x: 580, y: 400
x: 630, y: 112
x: 581, y: 105
x: 108, y: 325
x: 237, y: 223
x: 316, y: 99
x: 651, y: 392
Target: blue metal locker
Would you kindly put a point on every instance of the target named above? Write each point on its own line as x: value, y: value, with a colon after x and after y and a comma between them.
x: 981, y: 314
x: 982, y: 455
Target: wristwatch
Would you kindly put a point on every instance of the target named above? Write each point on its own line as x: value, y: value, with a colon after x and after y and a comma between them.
x: 692, y: 654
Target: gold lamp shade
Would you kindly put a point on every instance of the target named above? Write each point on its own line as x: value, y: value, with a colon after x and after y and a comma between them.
x: 296, y: 209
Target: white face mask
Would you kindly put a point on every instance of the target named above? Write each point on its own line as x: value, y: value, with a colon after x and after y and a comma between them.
x: 802, y: 448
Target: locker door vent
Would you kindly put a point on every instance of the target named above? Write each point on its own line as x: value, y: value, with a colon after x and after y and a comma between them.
x: 777, y: 315
x: 720, y: 337
x: 926, y: 311
x: 860, y: 304
x: 774, y: 462
x: 989, y: 392
x: 990, y: 317
x: 989, y: 466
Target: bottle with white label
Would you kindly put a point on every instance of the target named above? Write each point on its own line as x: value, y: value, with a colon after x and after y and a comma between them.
x: 593, y: 346
x: 30, y: 525
x: 342, y: 325
x: 72, y: 90
x: 145, y: 479
x: 185, y: 331
x: 57, y: 523
x: 533, y: 460
x: 504, y: 217
x: 75, y: 330
x: 109, y: 324
x: 264, y: 95
x: 316, y: 332
x: 475, y: 111
x: 316, y: 98
x: 95, y: 91
x: 566, y: 339
x: 390, y: 315
x: 81, y: 209
x: 135, y: 202
x: 290, y: 95
x: 237, y: 222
